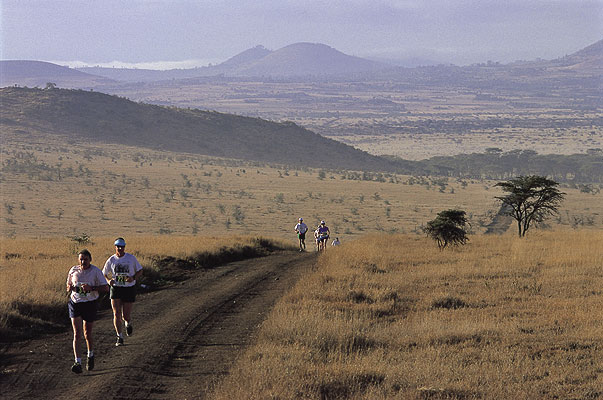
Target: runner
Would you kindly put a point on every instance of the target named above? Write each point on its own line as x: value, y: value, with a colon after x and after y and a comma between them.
x: 121, y: 270
x: 336, y: 242
x: 317, y: 239
x: 301, y: 230
x: 84, y: 282
x: 323, y: 235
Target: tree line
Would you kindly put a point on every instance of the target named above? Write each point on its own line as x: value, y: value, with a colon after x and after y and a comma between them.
x: 498, y: 165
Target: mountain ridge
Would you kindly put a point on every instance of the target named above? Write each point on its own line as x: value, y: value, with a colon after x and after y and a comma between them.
x: 292, y: 61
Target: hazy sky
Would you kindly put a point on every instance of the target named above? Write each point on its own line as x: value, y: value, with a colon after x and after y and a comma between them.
x: 187, y: 32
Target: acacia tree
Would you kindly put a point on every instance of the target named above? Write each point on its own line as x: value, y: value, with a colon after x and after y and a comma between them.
x: 531, y: 199
x: 449, y: 227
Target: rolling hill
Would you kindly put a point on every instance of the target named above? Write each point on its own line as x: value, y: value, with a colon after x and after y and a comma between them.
x: 99, y: 117
x: 38, y: 73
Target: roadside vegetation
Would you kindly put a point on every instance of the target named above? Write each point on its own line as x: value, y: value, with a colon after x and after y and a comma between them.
x: 33, y: 271
x: 387, y: 317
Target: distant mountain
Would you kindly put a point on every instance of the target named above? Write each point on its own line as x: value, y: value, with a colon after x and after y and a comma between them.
x: 99, y: 117
x: 39, y: 73
x: 589, y: 59
x: 149, y: 75
x: 248, y: 56
x: 303, y: 59
x: 299, y: 59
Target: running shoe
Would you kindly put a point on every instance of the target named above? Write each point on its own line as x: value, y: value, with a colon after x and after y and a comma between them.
x: 90, y: 363
x: 77, y: 368
x: 120, y: 341
x: 129, y: 329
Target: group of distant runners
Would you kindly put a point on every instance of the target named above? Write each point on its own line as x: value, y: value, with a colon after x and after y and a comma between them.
x: 321, y: 235
x: 85, y: 283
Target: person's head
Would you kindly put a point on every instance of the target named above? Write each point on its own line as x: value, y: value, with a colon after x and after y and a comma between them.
x: 120, y: 246
x: 84, y: 258
x: 322, y: 222
x: 301, y: 219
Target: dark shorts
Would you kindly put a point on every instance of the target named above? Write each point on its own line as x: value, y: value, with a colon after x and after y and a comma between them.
x: 125, y: 294
x: 302, y: 236
x: 324, y: 238
x: 84, y: 309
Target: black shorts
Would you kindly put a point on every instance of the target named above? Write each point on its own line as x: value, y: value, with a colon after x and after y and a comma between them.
x: 84, y: 309
x: 127, y: 294
x: 302, y: 236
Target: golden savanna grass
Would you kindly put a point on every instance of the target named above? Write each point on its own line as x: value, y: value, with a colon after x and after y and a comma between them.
x: 390, y: 316
x: 33, y: 271
x: 51, y: 188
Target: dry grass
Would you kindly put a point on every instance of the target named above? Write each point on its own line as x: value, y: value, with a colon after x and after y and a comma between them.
x: 33, y: 271
x: 391, y: 317
x: 56, y: 189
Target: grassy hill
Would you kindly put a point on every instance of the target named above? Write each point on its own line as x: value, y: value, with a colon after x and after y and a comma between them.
x: 39, y: 73
x: 103, y: 118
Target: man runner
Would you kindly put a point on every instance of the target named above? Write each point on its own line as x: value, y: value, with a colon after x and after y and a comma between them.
x: 121, y: 270
x: 301, y: 230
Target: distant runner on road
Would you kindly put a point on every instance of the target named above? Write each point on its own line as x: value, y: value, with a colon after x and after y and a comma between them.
x: 121, y: 270
x: 84, y: 282
x: 301, y: 230
x: 336, y: 242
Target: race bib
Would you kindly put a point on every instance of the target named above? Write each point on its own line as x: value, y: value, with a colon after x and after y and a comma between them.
x: 121, y: 279
x: 80, y: 294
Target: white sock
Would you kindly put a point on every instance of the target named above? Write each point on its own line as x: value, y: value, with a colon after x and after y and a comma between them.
x: 78, y: 360
x: 90, y: 353
x: 127, y: 324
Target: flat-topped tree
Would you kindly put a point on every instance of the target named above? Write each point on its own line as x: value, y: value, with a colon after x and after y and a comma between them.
x: 531, y: 199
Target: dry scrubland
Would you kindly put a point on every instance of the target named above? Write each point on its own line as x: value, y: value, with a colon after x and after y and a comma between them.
x: 412, y: 121
x: 391, y: 317
x: 54, y: 189
x: 33, y: 271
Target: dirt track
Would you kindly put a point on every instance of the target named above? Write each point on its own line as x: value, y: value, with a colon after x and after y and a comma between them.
x: 185, y: 338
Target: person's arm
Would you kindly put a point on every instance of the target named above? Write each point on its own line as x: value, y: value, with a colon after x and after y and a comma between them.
x: 69, y: 285
x: 107, y: 273
x: 137, y: 271
x: 138, y: 274
x: 101, y: 288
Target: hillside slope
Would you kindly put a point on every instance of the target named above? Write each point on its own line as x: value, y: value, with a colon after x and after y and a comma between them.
x: 38, y: 73
x: 103, y: 118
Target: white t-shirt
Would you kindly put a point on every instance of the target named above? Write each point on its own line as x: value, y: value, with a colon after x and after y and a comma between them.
x: 301, y: 227
x: 91, y: 276
x: 118, y: 268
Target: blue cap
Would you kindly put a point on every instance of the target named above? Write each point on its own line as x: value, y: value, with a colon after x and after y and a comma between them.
x: 119, y: 242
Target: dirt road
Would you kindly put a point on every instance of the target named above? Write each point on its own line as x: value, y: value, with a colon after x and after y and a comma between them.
x: 185, y: 338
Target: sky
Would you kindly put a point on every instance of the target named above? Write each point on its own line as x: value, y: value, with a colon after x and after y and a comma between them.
x: 164, y: 34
